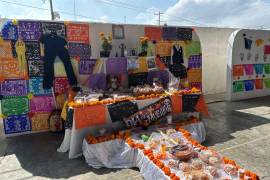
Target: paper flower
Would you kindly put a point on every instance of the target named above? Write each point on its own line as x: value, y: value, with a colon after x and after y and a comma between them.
x: 30, y: 95
x: 15, y: 22
x: 66, y: 22
x: 2, y: 116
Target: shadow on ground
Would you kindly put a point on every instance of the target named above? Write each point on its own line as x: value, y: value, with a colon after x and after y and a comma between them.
x: 37, y: 154
x: 227, y: 119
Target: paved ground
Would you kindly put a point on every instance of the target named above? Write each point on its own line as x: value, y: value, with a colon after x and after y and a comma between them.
x: 239, y: 130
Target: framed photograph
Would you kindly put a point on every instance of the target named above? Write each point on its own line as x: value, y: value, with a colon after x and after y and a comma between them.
x: 151, y: 62
x: 118, y: 32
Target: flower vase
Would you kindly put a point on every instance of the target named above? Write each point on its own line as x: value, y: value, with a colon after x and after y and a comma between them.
x: 105, y: 53
x: 144, y: 50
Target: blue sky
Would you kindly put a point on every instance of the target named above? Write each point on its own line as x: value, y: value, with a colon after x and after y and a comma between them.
x: 225, y: 13
x: 104, y: 10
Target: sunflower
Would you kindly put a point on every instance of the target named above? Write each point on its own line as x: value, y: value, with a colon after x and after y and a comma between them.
x: 101, y: 34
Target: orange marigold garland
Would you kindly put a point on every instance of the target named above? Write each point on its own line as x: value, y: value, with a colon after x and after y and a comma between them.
x: 119, y: 135
x: 143, y: 97
x: 226, y: 160
x: 172, y: 175
x: 166, y: 170
x: 140, y: 146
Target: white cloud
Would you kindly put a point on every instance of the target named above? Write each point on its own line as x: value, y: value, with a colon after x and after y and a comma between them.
x: 228, y: 13
x: 104, y: 19
x: 148, y: 17
x: 20, y: 12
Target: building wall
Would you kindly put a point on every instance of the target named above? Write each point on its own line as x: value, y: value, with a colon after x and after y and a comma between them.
x: 248, y: 65
x: 214, y: 42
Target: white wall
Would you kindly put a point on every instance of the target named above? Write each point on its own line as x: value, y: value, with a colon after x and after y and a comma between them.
x: 214, y: 42
x: 237, y: 47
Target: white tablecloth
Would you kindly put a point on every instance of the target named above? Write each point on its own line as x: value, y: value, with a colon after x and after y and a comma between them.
x: 74, y: 137
x: 118, y: 154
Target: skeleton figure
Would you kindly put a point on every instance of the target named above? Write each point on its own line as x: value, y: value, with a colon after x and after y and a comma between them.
x: 264, y: 58
x: 256, y: 57
x: 241, y: 56
x: 249, y: 56
x: 20, y: 50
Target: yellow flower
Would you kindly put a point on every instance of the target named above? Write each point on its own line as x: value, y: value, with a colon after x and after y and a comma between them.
x: 146, y: 38
x: 141, y: 38
x: 66, y: 22
x: 30, y: 96
x: 101, y: 34
x: 14, y: 21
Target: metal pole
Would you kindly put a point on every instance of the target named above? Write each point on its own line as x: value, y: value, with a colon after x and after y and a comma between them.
x: 52, y: 13
x: 159, y: 17
x: 74, y: 9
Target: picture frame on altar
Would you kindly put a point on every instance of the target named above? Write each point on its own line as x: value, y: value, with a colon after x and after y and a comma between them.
x: 151, y: 62
x: 49, y: 27
x: 118, y: 32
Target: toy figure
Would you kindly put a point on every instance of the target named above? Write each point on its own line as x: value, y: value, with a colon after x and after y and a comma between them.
x: 114, y: 84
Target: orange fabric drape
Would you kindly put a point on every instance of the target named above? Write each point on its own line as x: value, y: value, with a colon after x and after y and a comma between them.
x: 90, y: 116
x: 202, y: 107
x: 176, y: 103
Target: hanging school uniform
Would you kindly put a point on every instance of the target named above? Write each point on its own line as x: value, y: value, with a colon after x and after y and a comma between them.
x: 177, y: 57
x: 55, y: 46
x: 176, y: 67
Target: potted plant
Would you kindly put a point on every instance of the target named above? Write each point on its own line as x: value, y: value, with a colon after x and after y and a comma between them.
x: 144, y: 46
x: 106, y: 44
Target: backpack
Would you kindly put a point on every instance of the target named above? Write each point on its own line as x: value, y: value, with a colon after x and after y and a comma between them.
x: 55, y: 121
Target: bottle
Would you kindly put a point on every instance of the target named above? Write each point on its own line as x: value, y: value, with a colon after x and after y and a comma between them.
x: 241, y: 174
